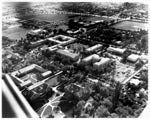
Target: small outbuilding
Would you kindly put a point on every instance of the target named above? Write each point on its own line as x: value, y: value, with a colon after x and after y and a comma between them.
x: 133, y: 58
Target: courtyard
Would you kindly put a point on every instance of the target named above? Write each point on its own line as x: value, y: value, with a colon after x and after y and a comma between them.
x: 123, y: 71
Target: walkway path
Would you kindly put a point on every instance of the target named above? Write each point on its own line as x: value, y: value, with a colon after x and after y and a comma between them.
x: 129, y: 78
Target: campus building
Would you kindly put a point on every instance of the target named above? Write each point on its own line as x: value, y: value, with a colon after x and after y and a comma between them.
x: 93, y: 24
x: 35, y: 81
x: 133, y: 58
x: 36, y: 32
x: 66, y: 53
x: 34, y: 76
x: 93, y: 48
x: 42, y: 42
x: 30, y: 75
x: 91, y: 59
x: 53, y: 43
x: 117, y: 51
x: 62, y: 39
x: 144, y: 58
x: 102, y: 64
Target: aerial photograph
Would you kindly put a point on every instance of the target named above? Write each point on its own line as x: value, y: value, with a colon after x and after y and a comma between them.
x: 74, y: 59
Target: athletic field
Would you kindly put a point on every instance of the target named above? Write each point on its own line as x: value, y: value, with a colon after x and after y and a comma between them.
x: 130, y: 25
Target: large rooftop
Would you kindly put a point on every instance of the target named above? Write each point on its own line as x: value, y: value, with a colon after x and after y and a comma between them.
x: 67, y: 53
x: 116, y: 50
x: 36, y: 32
x: 133, y: 57
x: 98, y: 46
x: 30, y: 75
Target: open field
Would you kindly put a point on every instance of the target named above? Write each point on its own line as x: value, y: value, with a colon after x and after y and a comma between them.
x: 130, y: 25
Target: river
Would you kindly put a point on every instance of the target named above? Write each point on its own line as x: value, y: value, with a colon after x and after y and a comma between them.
x: 12, y: 12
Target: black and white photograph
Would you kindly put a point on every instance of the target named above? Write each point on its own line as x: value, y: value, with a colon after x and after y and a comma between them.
x: 74, y: 59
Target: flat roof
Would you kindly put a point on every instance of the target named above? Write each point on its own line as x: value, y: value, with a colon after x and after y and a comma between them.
x: 93, y: 56
x: 34, y: 32
x: 28, y: 74
x: 67, y: 53
x: 117, y: 50
x: 134, y: 81
x: 28, y: 82
x: 64, y: 37
x: 133, y: 57
x: 31, y: 67
x: 54, y: 40
x: 36, y: 85
x: 102, y: 61
x: 94, y: 47
x: 47, y: 73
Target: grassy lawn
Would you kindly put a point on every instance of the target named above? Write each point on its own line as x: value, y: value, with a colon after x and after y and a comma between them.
x: 53, y: 81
